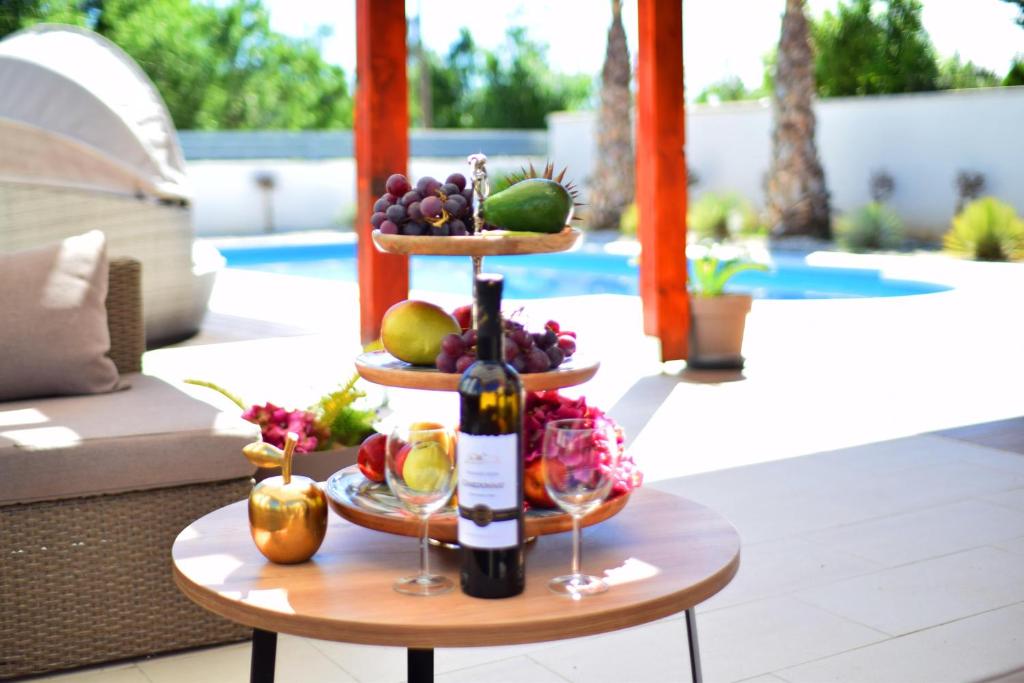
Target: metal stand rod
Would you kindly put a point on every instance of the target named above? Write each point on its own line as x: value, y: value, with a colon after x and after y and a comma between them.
x: 264, y: 656
x: 420, y: 665
x: 691, y: 635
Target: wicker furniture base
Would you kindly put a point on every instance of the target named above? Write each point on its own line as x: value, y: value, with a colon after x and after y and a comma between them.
x: 88, y: 580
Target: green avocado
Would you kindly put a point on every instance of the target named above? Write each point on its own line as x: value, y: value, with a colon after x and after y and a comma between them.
x: 531, y: 205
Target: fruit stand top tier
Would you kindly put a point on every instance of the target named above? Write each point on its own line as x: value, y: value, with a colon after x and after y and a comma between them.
x: 535, y: 214
x: 489, y: 243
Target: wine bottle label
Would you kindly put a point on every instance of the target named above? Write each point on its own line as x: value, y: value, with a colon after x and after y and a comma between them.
x: 489, y: 505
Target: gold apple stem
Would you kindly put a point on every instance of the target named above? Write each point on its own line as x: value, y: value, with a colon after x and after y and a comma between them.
x: 290, y: 441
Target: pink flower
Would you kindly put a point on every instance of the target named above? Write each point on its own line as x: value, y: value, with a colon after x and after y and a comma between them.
x: 545, y: 406
x: 275, y: 423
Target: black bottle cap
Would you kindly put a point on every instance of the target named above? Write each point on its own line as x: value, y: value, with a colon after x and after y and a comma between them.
x: 488, y: 316
x: 488, y: 291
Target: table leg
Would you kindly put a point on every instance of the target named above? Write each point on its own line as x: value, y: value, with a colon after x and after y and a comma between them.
x: 421, y: 665
x: 264, y: 656
x: 691, y: 634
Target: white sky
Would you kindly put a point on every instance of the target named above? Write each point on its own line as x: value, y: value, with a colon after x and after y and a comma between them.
x: 720, y: 37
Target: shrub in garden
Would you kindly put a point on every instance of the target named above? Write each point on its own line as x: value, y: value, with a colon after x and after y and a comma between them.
x: 987, y: 230
x: 870, y: 228
x: 629, y: 220
x: 718, y: 216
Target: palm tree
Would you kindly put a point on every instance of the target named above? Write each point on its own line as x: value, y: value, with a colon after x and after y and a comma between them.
x: 797, y: 197
x: 612, y: 187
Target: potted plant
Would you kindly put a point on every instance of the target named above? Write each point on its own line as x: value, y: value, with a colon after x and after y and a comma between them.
x: 717, y: 318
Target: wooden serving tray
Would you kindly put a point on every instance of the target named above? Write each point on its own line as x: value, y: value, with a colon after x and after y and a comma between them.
x: 489, y: 243
x: 380, y: 367
x: 373, y: 506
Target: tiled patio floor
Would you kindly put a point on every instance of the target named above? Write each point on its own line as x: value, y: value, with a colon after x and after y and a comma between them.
x: 883, y: 534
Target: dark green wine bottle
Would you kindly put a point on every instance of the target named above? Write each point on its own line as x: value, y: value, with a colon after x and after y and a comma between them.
x: 490, y: 459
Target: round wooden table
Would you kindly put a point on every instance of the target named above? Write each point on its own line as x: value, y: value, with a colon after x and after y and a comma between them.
x: 661, y: 555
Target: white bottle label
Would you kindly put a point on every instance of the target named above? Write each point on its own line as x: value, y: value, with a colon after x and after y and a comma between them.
x: 488, y: 471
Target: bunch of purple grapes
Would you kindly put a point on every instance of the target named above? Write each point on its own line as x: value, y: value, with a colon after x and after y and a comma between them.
x: 431, y: 208
x: 525, y: 351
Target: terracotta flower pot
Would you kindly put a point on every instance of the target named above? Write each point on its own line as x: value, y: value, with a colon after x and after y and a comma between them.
x: 716, y: 330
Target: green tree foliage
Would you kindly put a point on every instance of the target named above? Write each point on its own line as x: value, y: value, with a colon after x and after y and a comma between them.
x: 1015, y: 76
x: 216, y: 67
x: 954, y: 73
x: 1020, y: 6
x: 17, y: 14
x: 452, y: 79
x: 732, y: 89
x: 510, y: 87
x: 863, y: 52
x: 729, y: 89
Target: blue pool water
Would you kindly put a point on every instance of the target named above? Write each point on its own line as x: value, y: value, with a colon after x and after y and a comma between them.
x: 585, y: 271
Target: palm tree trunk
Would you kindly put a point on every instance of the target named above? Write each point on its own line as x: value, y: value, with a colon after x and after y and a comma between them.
x: 611, y: 188
x: 798, y: 202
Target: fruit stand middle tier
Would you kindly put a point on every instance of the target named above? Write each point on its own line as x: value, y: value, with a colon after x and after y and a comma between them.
x: 382, y: 368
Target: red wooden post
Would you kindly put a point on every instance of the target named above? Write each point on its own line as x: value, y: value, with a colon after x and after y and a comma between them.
x: 382, y: 148
x: 661, y: 175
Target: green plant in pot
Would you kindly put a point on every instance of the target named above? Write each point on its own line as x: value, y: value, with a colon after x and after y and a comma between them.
x: 717, y: 317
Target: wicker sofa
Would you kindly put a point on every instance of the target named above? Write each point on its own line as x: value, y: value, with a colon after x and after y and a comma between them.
x: 93, y: 491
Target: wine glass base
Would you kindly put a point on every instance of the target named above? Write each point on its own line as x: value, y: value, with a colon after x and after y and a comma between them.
x: 423, y: 584
x: 577, y: 586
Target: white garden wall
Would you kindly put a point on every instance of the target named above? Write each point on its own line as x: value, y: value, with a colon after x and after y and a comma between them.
x: 308, y: 194
x: 922, y: 140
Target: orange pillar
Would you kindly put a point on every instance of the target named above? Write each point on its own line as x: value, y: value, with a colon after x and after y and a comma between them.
x: 661, y: 175
x: 382, y: 148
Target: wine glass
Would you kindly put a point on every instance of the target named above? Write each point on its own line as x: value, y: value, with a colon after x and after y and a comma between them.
x: 578, y: 455
x: 420, y: 469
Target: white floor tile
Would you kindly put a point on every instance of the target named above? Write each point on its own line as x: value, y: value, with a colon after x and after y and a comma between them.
x: 297, y: 662
x: 225, y: 664
x: 1015, y: 545
x: 454, y: 659
x: 803, y: 495
x: 735, y: 643
x: 515, y: 670
x: 1012, y: 499
x: 922, y: 534
x: 987, y: 456
x: 927, y: 593
x: 769, y: 635
x: 778, y: 567
x: 366, y: 663
x: 765, y: 678
x: 653, y: 652
x: 896, y: 454
x: 984, y: 647
x: 126, y: 673
x: 371, y: 664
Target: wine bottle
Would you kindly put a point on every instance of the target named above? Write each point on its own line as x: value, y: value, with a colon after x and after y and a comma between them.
x: 490, y: 459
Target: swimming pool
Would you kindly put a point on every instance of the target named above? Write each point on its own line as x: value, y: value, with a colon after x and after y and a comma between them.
x: 586, y: 271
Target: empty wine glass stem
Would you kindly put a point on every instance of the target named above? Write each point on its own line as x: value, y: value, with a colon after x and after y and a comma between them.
x: 575, y: 544
x: 424, y: 546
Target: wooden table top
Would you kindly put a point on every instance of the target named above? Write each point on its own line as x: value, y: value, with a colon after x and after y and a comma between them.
x: 662, y: 554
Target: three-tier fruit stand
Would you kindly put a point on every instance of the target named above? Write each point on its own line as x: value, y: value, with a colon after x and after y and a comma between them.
x: 371, y: 505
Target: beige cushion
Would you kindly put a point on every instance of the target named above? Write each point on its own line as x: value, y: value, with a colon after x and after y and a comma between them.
x: 53, y: 336
x: 153, y: 436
